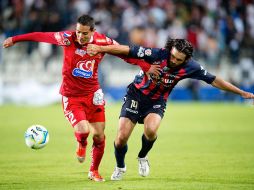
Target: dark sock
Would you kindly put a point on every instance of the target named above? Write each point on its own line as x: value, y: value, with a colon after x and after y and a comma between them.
x: 146, y: 146
x: 120, y: 155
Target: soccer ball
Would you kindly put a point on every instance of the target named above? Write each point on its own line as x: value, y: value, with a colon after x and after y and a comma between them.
x: 36, y: 137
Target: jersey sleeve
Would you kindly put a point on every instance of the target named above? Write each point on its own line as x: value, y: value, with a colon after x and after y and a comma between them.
x: 57, y: 38
x: 103, y: 40
x: 148, y: 54
x: 141, y: 63
x: 111, y: 41
x: 200, y: 73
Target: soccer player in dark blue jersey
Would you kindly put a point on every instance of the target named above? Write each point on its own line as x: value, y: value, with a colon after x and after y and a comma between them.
x: 145, y: 101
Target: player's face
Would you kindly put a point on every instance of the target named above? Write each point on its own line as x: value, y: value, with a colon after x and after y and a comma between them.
x: 176, y: 58
x: 83, y: 33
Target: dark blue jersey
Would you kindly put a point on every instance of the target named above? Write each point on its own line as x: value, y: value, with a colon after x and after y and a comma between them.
x: 161, y: 86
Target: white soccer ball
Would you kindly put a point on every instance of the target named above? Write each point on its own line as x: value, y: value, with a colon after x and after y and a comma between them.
x: 36, y: 137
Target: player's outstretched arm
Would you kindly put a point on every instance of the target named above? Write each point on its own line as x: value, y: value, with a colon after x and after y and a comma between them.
x: 8, y: 42
x: 47, y: 37
x: 93, y: 49
x: 224, y: 85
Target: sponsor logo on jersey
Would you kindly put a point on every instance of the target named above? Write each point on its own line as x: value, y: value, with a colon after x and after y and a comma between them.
x: 67, y: 34
x: 84, y: 69
x: 167, y: 81
x: 141, y: 52
x: 80, y: 52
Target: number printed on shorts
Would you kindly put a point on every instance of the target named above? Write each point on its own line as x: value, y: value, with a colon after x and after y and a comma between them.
x: 134, y: 104
x: 70, y: 117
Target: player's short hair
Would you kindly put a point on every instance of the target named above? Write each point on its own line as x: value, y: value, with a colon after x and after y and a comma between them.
x: 139, y: 27
x: 86, y: 20
x: 181, y: 45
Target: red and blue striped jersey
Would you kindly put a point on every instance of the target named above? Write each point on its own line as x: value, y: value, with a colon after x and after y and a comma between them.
x: 160, y: 87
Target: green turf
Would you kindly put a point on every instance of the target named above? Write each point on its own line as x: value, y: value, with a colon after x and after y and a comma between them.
x: 199, y: 146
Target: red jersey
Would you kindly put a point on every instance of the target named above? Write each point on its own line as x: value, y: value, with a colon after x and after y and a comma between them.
x: 79, y: 71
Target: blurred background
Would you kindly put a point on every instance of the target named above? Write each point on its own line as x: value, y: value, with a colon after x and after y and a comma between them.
x: 221, y: 31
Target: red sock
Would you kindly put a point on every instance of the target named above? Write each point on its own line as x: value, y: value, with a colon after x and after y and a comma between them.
x: 82, y: 138
x: 97, y: 153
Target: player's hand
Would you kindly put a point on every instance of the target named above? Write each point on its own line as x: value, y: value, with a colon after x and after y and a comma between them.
x: 92, y: 49
x: 8, y: 42
x: 247, y: 95
x: 155, y: 70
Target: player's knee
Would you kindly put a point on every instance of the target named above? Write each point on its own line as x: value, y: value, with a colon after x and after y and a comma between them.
x: 121, y: 140
x: 99, y: 136
x: 82, y: 127
x: 82, y: 130
x: 150, y: 133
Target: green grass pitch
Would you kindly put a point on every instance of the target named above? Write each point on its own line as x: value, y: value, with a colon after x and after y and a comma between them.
x: 199, y: 146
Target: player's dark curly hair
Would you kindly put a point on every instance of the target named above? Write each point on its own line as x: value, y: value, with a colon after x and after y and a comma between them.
x: 86, y: 20
x: 181, y: 45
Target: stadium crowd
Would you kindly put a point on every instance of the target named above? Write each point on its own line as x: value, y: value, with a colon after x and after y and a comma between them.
x: 218, y: 29
x: 213, y: 27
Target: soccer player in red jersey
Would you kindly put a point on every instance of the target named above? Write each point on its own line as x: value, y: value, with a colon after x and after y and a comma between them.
x: 145, y: 101
x: 82, y: 97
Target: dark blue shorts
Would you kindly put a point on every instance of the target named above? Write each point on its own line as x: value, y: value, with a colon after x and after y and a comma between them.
x: 137, y: 106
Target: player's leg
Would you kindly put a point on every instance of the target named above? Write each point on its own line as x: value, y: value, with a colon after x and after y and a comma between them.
x: 81, y: 130
x: 125, y: 129
x: 97, y: 130
x: 74, y: 113
x: 128, y: 118
x: 151, y: 125
x: 95, y: 111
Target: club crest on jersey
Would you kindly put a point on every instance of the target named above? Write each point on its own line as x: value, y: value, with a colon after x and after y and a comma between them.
x: 66, y: 41
x: 80, y: 52
x: 148, y: 52
x: 84, y: 69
